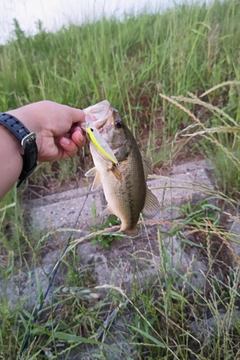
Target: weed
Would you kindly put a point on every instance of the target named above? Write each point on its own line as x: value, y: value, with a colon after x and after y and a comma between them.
x: 198, y: 214
x: 105, y: 239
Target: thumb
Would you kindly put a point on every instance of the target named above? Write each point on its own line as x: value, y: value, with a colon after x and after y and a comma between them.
x: 77, y: 115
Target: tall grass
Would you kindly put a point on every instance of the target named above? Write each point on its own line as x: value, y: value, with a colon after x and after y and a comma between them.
x: 129, y: 62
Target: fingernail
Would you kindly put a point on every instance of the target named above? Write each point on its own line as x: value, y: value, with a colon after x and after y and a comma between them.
x: 65, y: 141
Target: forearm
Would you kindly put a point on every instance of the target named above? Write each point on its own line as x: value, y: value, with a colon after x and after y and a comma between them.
x: 10, y: 160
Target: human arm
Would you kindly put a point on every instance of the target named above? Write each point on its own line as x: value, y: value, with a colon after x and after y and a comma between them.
x: 57, y: 137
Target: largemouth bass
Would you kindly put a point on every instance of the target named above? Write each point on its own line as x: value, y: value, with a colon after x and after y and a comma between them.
x: 124, y: 183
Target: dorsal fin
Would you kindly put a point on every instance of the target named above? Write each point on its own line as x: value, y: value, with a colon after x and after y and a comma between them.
x: 146, y: 167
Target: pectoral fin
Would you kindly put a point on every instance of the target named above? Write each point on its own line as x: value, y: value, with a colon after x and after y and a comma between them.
x: 97, y: 179
x: 92, y: 172
x: 151, y: 206
x: 116, y: 172
x: 107, y: 211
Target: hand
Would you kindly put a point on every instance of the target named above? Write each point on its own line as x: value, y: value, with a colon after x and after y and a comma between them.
x: 57, y: 136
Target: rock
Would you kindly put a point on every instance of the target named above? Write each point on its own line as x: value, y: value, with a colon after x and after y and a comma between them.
x: 29, y: 288
x: 12, y: 289
x: 221, y: 323
x: 138, y: 262
x: 187, y: 182
x: 127, y: 260
x: 235, y: 236
x: 36, y: 286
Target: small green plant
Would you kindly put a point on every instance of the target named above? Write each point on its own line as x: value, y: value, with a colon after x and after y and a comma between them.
x: 77, y: 276
x: 198, y: 214
x: 226, y: 171
x: 10, y: 331
x: 106, y: 239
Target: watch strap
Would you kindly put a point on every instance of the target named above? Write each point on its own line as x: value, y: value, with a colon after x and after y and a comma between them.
x: 28, y: 142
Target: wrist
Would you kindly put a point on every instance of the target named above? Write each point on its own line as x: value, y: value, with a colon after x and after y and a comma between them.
x: 10, y: 159
x: 28, y: 120
x: 27, y: 142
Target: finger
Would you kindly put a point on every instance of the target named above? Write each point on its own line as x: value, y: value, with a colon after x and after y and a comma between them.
x: 77, y: 115
x: 79, y: 138
x: 76, y: 127
x: 69, y: 147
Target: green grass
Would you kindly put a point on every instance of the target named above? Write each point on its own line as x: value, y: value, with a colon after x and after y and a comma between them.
x: 181, y: 54
x: 161, y: 320
x: 220, y: 134
x: 129, y: 62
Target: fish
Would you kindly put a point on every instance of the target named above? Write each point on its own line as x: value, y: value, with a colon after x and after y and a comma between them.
x: 124, y: 183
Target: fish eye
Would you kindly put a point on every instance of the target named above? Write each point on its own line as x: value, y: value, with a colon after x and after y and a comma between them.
x: 118, y: 124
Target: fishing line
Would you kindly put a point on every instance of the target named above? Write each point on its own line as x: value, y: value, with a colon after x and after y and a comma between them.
x: 51, y: 280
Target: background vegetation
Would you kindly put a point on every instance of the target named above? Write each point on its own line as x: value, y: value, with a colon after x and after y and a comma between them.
x: 188, y: 48
x: 184, y: 51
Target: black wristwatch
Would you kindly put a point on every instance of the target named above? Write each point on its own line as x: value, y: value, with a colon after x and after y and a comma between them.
x: 28, y: 142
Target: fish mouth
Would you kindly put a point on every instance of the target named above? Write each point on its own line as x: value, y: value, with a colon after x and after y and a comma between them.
x: 97, y: 114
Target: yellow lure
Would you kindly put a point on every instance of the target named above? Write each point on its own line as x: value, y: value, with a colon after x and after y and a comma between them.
x: 100, y: 143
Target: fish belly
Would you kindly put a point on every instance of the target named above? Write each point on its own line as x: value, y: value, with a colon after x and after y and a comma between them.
x: 125, y: 197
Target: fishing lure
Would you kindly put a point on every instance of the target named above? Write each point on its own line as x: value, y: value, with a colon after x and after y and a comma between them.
x: 100, y: 143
